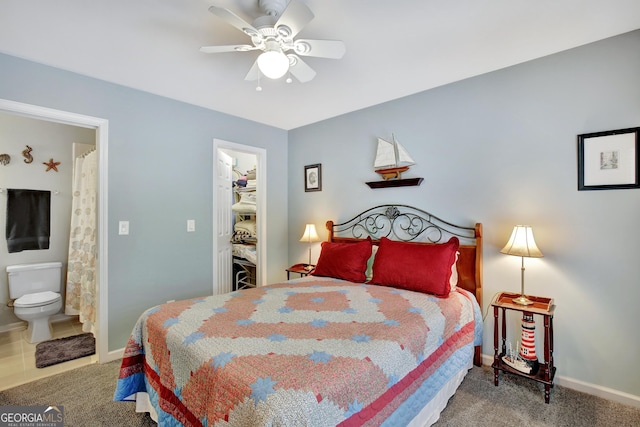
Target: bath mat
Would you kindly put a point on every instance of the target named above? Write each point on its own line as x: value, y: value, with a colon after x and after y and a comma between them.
x: 61, y: 350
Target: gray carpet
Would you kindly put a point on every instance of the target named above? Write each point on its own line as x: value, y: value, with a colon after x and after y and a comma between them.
x: 87, y: 396
x: 520, y: 402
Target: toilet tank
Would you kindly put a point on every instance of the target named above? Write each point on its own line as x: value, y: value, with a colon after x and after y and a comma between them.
x: 31, y: 278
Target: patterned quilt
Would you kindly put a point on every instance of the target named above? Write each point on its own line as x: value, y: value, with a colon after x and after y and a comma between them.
x: 309, y: 352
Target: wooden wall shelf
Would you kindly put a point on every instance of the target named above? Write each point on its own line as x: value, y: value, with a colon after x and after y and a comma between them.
x: 409, y: 182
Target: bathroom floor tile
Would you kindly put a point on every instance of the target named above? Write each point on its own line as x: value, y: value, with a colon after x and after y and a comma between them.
x: 63, y: 331
x: 12, y: 380
x: 12, y: 364
x: 28, y: 348
x: 10, y: 348
x: 76, y: 363
x: 11, y: 336
x: 18, y: 360
x: 37, y: 373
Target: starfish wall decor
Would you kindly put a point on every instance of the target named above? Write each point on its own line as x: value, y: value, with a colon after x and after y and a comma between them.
x: 51, y: 165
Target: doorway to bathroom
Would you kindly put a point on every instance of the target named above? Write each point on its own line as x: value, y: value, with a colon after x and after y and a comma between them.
x: 98, y: 129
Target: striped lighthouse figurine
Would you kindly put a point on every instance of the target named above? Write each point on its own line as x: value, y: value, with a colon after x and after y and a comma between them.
x: 524, y: 357
x: 528, y: 344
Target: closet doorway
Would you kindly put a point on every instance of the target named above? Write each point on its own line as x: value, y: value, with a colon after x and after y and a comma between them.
x: 101, y: 132
x: 224, y: 153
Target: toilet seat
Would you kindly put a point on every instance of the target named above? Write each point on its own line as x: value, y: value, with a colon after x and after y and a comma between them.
x: 37, y: 299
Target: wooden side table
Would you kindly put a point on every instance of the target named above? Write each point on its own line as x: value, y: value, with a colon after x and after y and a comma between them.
x: 302, y: 269
x: 541, y: 306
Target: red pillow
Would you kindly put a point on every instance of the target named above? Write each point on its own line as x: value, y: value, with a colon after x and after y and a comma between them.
x: 347, y: 261
x: 421, y: 268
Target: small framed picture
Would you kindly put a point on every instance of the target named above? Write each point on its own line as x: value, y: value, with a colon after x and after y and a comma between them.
x: 313, y: 177
x: 609, y: 160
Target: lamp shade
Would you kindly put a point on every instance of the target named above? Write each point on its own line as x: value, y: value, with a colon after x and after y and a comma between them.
x: 310, y: 234
x: 521, y: 243
x: 273, y: 63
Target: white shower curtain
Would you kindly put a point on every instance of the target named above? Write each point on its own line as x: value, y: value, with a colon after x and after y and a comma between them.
x: 81, y: 292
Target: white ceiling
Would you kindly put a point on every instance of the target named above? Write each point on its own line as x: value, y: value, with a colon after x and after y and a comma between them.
x: 394, y: 48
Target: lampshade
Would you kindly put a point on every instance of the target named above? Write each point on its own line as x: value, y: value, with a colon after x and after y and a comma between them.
x: 310, y: 234
x: 521, y: 243
x: 273, y: 63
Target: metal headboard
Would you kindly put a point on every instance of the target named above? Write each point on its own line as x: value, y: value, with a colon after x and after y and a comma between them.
x: 399, y: 222
x: 413, y: 225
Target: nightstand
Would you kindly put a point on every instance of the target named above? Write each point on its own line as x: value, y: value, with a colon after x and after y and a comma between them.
x: 302, y: 269
x: 541, y: 306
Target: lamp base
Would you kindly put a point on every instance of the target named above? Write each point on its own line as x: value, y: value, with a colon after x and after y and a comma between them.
x: 522, y: 300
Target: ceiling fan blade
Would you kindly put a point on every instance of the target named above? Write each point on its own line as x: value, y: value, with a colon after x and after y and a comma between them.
x: 300, y: 70
x: 294, y: 17
x: 334, y: 49
x: 228, y: 48
x: 233, y: 19
x: 254, y: 72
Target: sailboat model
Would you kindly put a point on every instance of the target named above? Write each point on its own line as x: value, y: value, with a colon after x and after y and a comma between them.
x: 392, y: 159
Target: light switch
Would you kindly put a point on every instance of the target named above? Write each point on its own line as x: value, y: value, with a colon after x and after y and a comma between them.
x: 123, y: 228
x: 191, y: 225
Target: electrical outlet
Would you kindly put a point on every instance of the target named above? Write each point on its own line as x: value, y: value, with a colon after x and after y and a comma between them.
x: 123, y: 228
x: 191, y: 225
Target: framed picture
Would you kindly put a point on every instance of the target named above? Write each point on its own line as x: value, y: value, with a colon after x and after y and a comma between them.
x: 608, y: 160
x: 313, y: 177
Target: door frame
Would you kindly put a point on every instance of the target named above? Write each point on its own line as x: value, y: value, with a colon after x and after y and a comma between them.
x: 101, y: 126
x: 261, y: 208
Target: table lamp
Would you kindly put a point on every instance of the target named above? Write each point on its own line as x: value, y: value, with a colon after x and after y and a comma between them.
x: 310, y: 235
x: 522, y: 244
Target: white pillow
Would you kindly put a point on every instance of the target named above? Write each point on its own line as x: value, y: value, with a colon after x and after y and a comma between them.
x: 453, y: 280
x: 369, y: 272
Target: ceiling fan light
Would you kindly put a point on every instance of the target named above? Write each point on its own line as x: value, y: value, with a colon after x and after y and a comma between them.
x: 273, y: 64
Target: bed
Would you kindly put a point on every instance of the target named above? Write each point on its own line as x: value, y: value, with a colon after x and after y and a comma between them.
x: 372, y: 337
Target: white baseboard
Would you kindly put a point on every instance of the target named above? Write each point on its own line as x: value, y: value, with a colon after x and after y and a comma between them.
x: 584, y: 387
x: 113, y: 355
x: 600, y: 391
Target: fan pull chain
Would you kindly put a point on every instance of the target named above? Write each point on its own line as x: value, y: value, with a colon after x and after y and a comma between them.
x: 259, y: 88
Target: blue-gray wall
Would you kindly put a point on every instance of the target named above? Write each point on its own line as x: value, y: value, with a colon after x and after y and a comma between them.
x: 160, y: 155
x: 501, y: 149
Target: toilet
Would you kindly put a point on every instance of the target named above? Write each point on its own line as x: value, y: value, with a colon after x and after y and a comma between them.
x: 36, y: 290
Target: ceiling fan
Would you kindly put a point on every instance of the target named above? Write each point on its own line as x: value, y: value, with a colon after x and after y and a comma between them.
x: 273, y: 34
